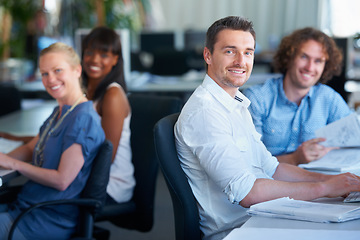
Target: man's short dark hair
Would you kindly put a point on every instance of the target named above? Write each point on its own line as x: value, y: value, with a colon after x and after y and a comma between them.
x: 232, y: 23
x: 291, y: 44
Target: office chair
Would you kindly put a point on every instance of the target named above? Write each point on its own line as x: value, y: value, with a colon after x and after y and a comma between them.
x: 138, y: 213
x: 186, y: 213
x: 10, y: 99
x: 92, y: 197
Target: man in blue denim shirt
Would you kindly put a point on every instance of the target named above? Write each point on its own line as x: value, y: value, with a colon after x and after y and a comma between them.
x: 288, y: 110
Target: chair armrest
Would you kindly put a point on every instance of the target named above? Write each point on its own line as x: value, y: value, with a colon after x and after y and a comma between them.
x: 92, y: 207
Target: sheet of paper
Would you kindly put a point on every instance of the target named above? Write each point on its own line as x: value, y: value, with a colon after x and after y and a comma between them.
x: 338, y: 160
x: 342, y: 133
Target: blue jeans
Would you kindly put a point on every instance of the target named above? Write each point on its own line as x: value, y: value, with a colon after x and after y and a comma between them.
x: 5, y: 224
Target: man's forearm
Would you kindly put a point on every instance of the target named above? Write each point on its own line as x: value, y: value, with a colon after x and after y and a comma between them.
x: 291, y: 173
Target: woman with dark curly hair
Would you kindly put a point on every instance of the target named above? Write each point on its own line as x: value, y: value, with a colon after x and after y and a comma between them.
x: 287, y: 110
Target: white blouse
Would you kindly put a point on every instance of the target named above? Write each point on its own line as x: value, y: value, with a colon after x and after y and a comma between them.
x: 122, y: 181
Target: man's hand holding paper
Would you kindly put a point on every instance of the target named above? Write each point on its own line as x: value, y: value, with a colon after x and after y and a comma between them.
x: 343, y: 138
x: 312, y: 150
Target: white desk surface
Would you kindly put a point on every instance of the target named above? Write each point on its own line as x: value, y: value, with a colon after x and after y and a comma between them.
x: 27, y: 122
x: 150, y: 83
x: 276, y: 228
x: 145, y: 82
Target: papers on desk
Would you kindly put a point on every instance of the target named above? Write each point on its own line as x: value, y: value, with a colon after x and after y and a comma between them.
x: 7, y: 145
x: 305, y: 211
x: 344, y: 133
x: 293, y: 234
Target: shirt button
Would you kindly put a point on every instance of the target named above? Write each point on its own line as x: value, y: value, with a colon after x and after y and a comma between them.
x: 295, y: 129
x: 293, y: 144
x: 272, y: 130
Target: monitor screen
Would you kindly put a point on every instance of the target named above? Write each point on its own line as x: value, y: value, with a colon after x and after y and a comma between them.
x: 194, y: 40
x: 125, y: 45
x: 156, y: 41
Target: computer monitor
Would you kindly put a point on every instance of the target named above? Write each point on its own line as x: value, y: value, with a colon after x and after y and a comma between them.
x: 125, y: 46
x: 194, y: 40
x: 165, y: 51
x: 156, y: 41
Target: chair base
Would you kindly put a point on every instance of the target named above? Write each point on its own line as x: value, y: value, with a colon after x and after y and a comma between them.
x: 101, y: 233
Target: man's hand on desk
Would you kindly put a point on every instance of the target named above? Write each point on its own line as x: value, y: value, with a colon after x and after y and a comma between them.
x: 341, y: 185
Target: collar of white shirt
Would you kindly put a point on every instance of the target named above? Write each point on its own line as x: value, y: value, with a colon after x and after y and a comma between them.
x: 222, y: 96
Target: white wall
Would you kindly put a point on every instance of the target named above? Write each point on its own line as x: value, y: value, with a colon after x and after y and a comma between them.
x: 271, y: 18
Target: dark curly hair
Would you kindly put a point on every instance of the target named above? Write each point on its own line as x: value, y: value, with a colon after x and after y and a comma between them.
x: 290, y: 45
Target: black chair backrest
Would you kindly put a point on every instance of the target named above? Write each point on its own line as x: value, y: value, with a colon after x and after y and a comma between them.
x: 95, y: 187
x: 10, y: 99
x: 184, y: 203
x: 146, y: 111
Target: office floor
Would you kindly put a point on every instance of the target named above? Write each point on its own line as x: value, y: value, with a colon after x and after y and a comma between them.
x: 163, y: 229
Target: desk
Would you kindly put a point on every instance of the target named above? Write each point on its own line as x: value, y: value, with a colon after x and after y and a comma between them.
x: 146, y: 83
x: 27, y: 122
x: 24, y: 122
x: 276, y: 228
x: 181, y: 86
x: 151, y: 83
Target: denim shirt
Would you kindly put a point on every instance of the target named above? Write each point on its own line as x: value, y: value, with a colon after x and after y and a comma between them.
x: 283, y: 124
x: 81, y: 126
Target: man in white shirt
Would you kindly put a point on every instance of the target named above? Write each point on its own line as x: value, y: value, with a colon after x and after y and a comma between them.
x: 227, y: 165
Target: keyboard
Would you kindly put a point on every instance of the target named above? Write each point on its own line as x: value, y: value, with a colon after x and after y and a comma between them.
x: 352, y: 197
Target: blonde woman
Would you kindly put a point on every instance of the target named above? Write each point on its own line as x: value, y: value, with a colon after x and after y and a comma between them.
x: 58, y: 160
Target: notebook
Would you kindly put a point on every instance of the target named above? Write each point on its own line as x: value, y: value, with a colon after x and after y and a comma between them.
x: 305, y: 210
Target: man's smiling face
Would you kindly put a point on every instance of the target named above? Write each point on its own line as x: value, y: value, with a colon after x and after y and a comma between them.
x: 232, y: 60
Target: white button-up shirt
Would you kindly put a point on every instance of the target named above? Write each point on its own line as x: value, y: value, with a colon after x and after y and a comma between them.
x: 221, y: 154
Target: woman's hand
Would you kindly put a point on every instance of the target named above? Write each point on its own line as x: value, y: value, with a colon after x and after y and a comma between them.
x: 5, y: 161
